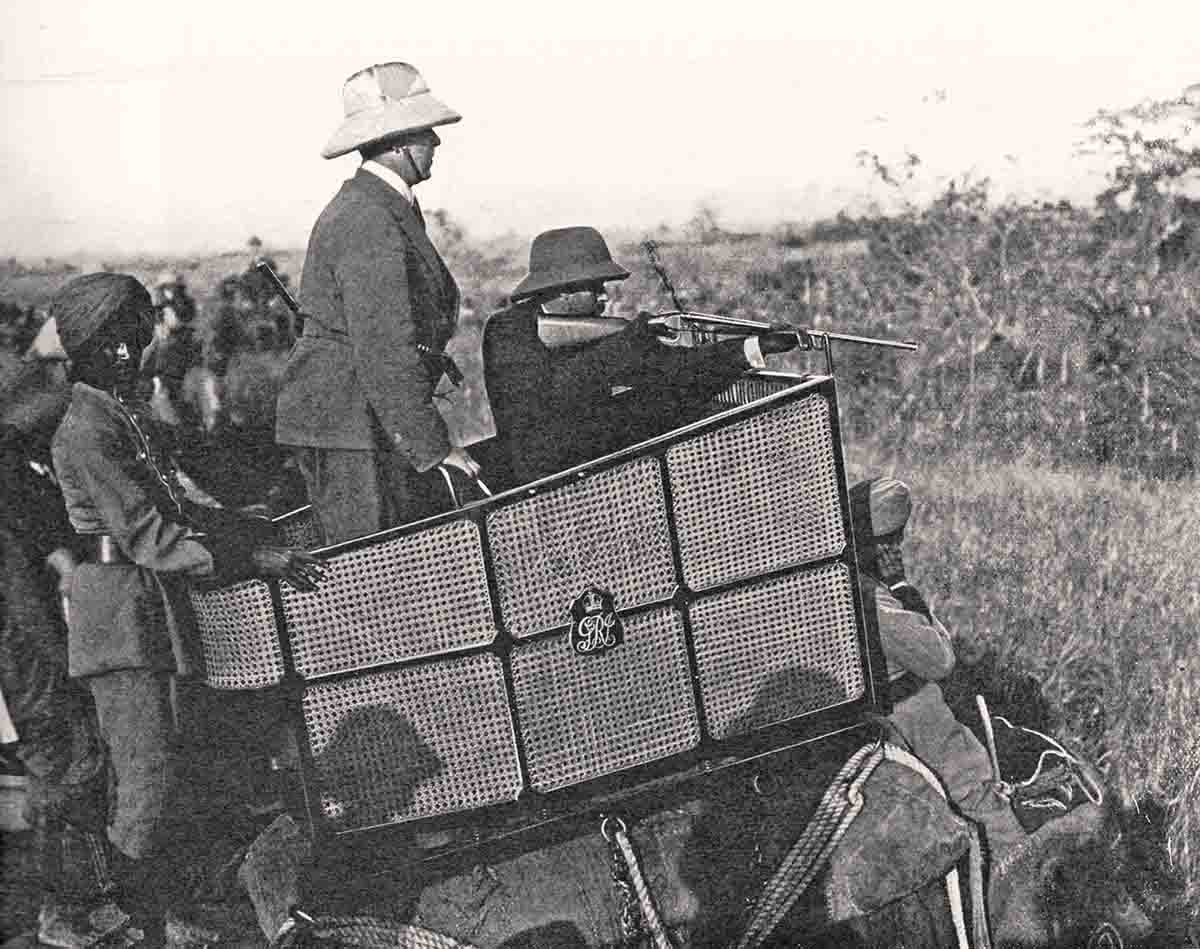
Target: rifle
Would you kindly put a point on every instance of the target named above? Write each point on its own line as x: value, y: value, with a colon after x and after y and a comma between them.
x: 695, y: 329
x: 692, y: 328
x: 436, y: 362
x: 708, y: 326
x: 265, y: 269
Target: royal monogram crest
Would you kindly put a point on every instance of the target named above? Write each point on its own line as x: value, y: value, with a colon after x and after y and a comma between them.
x: 595, y: 625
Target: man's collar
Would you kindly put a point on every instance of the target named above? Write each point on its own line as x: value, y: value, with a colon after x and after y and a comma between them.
x: 389, y: 176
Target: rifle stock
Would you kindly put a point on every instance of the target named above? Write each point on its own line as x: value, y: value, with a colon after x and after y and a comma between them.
x: 558, y: 332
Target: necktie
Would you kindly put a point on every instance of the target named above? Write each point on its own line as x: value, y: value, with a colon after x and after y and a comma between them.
x: 416, y: 206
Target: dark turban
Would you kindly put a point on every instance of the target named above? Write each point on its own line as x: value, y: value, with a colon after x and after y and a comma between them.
x: 84, y: 306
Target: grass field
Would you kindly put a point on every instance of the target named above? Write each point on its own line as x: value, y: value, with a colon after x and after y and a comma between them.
x: 1083, y: 582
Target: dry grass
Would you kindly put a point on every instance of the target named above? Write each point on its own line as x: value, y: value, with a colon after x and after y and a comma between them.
x: 1086, y: 582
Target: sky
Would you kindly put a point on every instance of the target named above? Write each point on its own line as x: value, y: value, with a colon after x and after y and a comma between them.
x: 135, y: 126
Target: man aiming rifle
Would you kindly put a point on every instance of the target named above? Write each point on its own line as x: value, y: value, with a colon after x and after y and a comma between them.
x: 558, y: 407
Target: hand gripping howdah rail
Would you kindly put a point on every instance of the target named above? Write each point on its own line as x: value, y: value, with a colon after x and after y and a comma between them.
x: 673, y: 609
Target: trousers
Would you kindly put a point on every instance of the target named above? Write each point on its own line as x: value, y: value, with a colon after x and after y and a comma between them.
x: 360, y: 492
x: 137, y: 721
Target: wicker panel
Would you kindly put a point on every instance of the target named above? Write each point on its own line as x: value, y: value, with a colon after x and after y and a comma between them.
x: 609, y: 530
x: 758, y: 495
x: 418, y: 595
x: 300, y: 528
x: 586, y: 716
x: 750, y: 388
x: 238, y: 636
x: 413, y: 742
x: 777, y: 649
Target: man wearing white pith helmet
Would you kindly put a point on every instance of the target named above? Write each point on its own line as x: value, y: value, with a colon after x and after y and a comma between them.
x: 379, y: 305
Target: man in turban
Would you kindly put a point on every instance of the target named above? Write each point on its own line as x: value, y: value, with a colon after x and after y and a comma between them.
x: 128, y: 638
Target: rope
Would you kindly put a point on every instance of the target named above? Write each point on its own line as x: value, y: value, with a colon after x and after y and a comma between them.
x: 974, y: 867
x: 365, y: 931
x: 645, y: 901
x: 979, y: 909
x: 954, y: 895
x: 1094, y: 793
x: 839, y: 806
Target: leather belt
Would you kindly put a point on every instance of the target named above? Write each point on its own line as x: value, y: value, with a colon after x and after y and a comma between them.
x: 103, y: 549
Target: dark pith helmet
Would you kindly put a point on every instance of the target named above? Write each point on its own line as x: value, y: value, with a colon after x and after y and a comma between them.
x: 879, y: 511
x: 883, y: 504
x: 567, y: 258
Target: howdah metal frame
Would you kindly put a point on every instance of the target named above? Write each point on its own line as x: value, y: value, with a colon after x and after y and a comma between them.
x: 441, y: 836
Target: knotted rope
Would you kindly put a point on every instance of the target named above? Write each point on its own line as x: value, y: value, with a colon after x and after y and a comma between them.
x: 365, y: 931
x: 618, y: 839
x: 840, y: 805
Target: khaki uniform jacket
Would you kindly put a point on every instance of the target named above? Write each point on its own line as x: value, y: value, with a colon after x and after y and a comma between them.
x: 136, y: 615
x: 373, y: 288
x: 913, y: 643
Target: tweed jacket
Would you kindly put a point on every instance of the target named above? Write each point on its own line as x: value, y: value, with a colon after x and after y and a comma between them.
x: 134, y: 615
x: 372, y: 290
x: 556, y: 408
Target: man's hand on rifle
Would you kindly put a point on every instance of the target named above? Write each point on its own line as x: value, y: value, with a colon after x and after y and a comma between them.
x: 647, y: 330
x: 780, y: 340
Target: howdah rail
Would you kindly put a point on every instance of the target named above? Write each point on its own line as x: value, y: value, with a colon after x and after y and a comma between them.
x: 672, y: 609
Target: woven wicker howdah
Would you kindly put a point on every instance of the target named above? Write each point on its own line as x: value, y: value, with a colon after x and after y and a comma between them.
x: 588, y: 716
x: 237, y: 632
x: 435, y: 670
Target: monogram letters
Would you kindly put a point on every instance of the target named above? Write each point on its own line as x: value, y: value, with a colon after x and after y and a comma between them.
x: 595, y: 625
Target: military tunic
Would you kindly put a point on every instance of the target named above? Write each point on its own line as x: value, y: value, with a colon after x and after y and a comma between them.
x: 129, y: 633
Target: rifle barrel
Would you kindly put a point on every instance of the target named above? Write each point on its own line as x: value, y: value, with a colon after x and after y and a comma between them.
x: 906, y: 344
x: 265, y: 269
x: 736, y: 324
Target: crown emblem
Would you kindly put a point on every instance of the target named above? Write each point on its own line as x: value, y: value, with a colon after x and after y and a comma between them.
x: 595, y: 623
